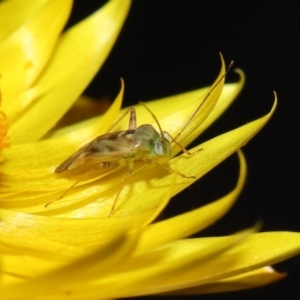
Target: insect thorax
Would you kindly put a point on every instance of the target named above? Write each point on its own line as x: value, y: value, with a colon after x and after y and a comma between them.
x: 147, y: 139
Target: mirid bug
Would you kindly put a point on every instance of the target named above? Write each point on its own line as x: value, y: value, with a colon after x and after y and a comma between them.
x: 125, y: 148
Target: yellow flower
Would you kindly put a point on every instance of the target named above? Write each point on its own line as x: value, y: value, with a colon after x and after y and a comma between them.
x: 70, y: 248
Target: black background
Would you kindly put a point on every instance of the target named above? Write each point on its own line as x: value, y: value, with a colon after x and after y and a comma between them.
x: 167, y: 47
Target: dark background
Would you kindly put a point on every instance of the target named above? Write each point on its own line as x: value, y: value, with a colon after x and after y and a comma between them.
x: 171, y: 46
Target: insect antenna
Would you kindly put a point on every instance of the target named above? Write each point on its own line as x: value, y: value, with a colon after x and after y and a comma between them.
x: 153, y: 116
x: 203, y: 101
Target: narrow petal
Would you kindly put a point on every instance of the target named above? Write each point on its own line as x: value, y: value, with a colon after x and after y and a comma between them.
x: 134, y: 275
x: 79, y: 54
x: 249, y: 280
x: 172, y: 104
x: 83, y: 234
x: 41, y: 167
x: 89, y: 129
x: 141, y: 275
x: 184, y: 225
x: 53, y: 283
x: 175, y: 114
x: 14, y: 13
x: 83, y: 109
x: 229, y: 94
x: 26, y: 51
x: 214, y: 151
x: 255, y: 252
x: 182, y: 266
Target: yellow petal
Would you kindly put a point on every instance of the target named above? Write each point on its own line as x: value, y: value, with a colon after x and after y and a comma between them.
x: 83, y: 234
x: 38, y: 167
x: 83, y: 109
x: 255, y: 252
x: 133, y: 274
x: 249, y: 280
x: 111, y: 254
x: 180, y: 267
x: 214, y: 151
x: 14, y: 13
x: 74, y: 136
x: 78, y: 56
x: 26, y: 51
x: 229, y: 94
x: 172, y: 104
x: 105, y: 188
x: 174, y: 115
x: 189, y: 223
x: 141, y: 275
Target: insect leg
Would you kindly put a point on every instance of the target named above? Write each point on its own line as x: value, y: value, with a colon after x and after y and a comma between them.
x: 132, y: 119
x: 101, y: 165
x: 129, y: 171
x: 64, y: 193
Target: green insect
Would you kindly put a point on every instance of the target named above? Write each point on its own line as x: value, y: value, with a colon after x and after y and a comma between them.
x: 125, y: 148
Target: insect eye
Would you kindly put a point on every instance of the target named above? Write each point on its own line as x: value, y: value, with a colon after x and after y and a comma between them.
x: 162, y: 147
x: 158, y: 148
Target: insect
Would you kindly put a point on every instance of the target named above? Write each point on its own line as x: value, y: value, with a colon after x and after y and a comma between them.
x: 125, y: 148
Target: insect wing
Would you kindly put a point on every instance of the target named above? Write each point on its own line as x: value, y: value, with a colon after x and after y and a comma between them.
x: 105, y: 148
x: 66, y: 165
